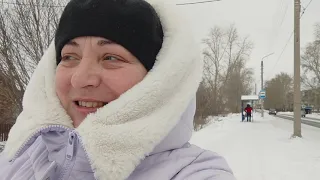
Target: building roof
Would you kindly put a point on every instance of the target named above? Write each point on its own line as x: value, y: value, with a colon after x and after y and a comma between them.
x: 250, y: 97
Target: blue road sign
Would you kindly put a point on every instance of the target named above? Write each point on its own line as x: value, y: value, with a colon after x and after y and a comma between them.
x: 262, y: 94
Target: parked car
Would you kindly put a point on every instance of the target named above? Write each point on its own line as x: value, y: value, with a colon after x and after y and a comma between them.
x: 272, y: 111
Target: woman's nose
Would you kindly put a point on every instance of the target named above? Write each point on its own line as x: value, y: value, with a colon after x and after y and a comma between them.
x: 87, y: 74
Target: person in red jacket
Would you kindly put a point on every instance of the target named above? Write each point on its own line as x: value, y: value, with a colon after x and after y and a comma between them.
x: 248, y: 111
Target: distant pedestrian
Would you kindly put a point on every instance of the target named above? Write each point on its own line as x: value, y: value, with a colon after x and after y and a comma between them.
x: 248, y: 111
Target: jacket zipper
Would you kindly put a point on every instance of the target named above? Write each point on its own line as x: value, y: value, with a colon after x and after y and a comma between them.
x: 69, y: 155
x: 86, y: 153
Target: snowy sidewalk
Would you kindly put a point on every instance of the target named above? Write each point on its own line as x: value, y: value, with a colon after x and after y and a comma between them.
x: 263, y: 150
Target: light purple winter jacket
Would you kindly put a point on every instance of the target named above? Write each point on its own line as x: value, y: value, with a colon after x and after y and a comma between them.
x: 55, y: 153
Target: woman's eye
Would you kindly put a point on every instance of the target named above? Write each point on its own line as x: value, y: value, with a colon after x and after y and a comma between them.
x: 68, y: 58
x: 111, y: 58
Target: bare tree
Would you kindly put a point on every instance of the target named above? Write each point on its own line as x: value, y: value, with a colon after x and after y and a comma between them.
x: 7, y: 103
x: 225, y: 76
x: 240, y: 83
x: 279, y: 91
x: 311, y: 97
x: 310, y: 62
x: 311, y: 65
x: 237, y: 78
x: 214, y: 55
x: 203, y: 100
x: 26, y: 29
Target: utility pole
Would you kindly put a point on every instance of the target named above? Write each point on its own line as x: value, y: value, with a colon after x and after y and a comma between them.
x: 262, y: 88
x: 297, y: 91
x: 255, y: 88
x: 262, y: 103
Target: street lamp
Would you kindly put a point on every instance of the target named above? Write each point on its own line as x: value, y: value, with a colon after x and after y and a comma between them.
x: 262, y: 88
x: 262, y: 68
x: 267, y: 56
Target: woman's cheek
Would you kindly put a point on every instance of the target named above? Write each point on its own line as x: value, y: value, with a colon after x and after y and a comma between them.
x: 62, y: 84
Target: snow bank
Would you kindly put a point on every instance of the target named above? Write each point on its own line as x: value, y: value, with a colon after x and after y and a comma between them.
x: 263, y: 150
x: 314, y: 115
x: 287, y: 113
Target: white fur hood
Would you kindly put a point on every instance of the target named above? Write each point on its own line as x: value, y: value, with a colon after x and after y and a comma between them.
x: 118, y: 136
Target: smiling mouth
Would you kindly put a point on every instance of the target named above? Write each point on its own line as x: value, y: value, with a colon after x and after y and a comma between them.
x: 90, y: 104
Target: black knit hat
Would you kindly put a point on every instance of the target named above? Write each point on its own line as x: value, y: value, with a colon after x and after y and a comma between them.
x: 134, y: 24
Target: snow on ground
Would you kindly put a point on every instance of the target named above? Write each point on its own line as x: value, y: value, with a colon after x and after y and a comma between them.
x: 286, y: 113
x: 263, y: 150
x: 313, y: 115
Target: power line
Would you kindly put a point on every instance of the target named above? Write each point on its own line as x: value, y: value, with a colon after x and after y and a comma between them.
x: 276, y: 34
x: 284, y: 48
x: 285, y: 13
x: 304, y: 10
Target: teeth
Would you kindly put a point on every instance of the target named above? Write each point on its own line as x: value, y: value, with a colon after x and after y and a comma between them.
x: 90, y: 104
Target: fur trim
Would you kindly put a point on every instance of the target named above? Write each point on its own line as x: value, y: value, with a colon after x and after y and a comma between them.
x: 119, y: 135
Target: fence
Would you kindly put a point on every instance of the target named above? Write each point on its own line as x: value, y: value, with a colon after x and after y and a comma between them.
x: 4, y: 131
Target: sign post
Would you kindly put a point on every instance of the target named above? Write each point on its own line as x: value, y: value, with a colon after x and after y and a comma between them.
x: 262, y: 96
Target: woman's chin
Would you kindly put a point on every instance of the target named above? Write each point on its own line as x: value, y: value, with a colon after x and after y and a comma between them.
x: 77, y: 122
x: 77, y: 119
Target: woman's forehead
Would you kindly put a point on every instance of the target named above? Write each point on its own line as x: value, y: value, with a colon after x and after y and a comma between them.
x: 95, y: 40
x: 98, y: 44
x: 80, y: 42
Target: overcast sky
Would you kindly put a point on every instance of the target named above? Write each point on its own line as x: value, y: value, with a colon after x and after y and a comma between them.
x: 260, y: 20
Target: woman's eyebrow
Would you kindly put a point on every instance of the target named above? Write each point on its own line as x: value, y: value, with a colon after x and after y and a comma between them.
x: 105, y: 42
x: 73, y: 43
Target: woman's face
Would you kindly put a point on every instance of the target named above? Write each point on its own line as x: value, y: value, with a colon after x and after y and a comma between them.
x: 93, y: 72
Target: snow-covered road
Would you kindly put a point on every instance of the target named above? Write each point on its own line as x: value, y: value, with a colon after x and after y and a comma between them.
x: 263, y: 150
x: 310, y: 119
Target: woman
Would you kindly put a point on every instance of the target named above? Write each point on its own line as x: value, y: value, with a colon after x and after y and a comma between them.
x: 112, y: 99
